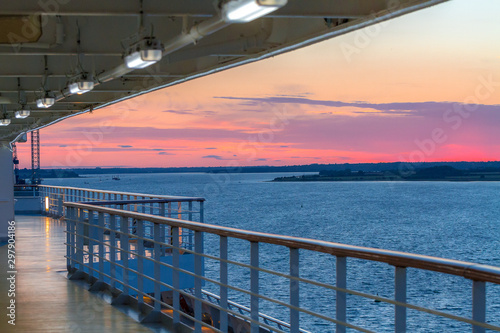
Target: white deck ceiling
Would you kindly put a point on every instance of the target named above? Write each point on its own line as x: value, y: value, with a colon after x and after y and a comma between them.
x: 29, y: 57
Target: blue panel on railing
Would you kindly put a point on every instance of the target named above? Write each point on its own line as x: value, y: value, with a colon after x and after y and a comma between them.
x: 186, y: 281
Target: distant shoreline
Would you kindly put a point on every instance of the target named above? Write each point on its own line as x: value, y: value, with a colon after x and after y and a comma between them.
x: 436, y: 173
x: 326, y: 179
x: 396, y: 168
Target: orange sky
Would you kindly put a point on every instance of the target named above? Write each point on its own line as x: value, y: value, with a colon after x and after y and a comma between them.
x: 373, y: 95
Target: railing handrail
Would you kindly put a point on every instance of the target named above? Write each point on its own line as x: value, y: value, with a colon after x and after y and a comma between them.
x: 464, y: 269
x: 128, y: 202
x: 116, y: 192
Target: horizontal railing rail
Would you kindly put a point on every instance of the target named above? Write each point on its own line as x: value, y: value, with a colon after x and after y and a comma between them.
x: 477, y: 273
x: 128, y: 202
x: 128, y: 194
x: 190, y: 208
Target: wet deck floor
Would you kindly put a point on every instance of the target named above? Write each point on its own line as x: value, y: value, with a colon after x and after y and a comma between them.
x: 46, y: 301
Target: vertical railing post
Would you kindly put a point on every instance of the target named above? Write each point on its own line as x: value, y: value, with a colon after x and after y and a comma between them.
x: 190, y: 232
x: 341, y: 301
x: 198, y: 271
x: 294, y: 290
x: 190, y: 208
x: 50, y: 201
x: 124, y: 246
x: 100, y: 220
x: 254, y: 286
x: 157, y: 267
x: 79, y: 237
x: 400, y: 296
x: 140, y: 260
x: 60, y: 208
x: 90, y: 241
x: 112, y: 252
x: 69, y: 237
x: 163, y: 226
x: 202, y: 212
x: 223, y: 281
x: 169, y: 215
x: 478, y: 305
x: 162, y: 209
x: 175, y: 273
x: 161, y: 212
x: 55, y: 210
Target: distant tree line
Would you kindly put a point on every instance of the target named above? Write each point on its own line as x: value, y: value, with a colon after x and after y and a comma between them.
x: 395, y: 167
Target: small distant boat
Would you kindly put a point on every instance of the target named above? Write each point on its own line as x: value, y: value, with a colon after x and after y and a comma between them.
x: 115, y: 178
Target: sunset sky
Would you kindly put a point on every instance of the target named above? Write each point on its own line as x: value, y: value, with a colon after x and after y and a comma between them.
x: 425, y: 86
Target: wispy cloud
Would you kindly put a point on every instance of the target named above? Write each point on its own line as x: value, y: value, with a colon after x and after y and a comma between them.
x: 192, y: 112
x: 179, y: 111
x: 217, y: 157
x: 404, y: 108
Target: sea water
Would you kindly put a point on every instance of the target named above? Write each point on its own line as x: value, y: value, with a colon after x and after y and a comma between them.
x: 454, y: 220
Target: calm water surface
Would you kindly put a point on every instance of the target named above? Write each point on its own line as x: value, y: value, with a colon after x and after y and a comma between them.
x: 445, y: 219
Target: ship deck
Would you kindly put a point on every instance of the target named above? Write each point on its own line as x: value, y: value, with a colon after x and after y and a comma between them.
x: 46, y: 301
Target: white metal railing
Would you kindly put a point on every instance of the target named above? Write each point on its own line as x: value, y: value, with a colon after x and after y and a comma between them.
x: 115, y: 256
x: 190, y: 208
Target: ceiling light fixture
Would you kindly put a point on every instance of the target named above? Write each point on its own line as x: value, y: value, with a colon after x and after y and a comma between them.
x: 45, y: 102
x: 240, y: 11
x: 4, y: 122
x: 144, y: 53
x: 83, y: 83
x: 21, y: 114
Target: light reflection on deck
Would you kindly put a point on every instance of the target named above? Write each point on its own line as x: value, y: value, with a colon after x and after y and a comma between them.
x: 46, y: 301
